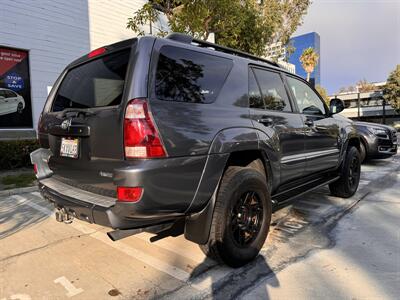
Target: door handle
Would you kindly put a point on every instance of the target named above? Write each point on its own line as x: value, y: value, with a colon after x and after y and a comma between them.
x: 265, y: 121
x: 309, y: 122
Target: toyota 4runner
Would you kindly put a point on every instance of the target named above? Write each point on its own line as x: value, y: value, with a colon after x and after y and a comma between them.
x: 176, y: 135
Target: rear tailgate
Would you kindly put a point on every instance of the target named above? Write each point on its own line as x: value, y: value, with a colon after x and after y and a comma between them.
x: 82, y: 123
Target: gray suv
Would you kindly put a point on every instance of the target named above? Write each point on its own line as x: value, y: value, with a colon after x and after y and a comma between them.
x: 175, y: 135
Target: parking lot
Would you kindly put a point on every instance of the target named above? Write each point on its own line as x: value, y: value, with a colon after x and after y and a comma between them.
x: 43, y: 259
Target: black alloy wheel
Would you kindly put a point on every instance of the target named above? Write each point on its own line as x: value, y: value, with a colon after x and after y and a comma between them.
x: 246, y: 218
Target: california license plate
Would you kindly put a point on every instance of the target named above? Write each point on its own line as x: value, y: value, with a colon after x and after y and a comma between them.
x: 69, y: 147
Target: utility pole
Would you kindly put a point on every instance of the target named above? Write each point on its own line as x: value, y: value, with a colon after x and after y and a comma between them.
x: 384, y: 111
x: 358, y: 106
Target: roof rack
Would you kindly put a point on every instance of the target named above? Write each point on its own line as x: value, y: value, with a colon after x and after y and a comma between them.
x: 187, y: 39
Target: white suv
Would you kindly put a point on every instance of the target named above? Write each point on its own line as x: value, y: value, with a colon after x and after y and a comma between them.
x: 10, y: 102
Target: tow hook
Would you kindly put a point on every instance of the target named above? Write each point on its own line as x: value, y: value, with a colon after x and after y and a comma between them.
x: 63, y: 216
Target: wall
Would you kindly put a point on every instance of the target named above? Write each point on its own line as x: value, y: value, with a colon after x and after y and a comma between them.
x: 107, y: 20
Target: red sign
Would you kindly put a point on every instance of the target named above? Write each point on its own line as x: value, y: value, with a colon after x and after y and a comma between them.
x: 9, y: 58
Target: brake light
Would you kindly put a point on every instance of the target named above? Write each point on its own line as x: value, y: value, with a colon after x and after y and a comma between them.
x: 35, y: 168
x: 141, y: 139
x: 97, y: 52
x: 129, y: 194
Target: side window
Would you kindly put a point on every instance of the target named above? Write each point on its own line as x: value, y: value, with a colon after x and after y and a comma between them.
x: 272, y: 90
x: 255, y: 98
x: 307, y: 100
x: 190, y: 76
x: 10, y: 94
x: 3, y: 93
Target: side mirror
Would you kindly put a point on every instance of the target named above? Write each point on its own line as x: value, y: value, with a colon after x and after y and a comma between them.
x: 336, y: 106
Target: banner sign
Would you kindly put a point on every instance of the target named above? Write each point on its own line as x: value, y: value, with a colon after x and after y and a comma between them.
x: 15, y: 89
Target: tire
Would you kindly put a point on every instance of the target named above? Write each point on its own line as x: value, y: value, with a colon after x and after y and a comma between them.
x: 241, y: 217
x: 363, y: 152
x: 347, y: 184
x: 20, y: 108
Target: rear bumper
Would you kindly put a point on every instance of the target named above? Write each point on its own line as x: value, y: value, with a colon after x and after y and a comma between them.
x: 169, y: 187
x: 94, y: 208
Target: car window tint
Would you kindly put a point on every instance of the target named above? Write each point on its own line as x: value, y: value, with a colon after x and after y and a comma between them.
x: 189, y: 76
x: 255, y: 98
x: 10, y: 94
x: 2, y: 93
x: 97, y: 83
x: 307, y: 100
x: 272, y: 90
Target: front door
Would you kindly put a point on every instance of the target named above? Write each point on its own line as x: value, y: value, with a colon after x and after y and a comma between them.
x: 272, y: 113
x: 322, y: 143
x: 4, y: 104
x: 12, y: 99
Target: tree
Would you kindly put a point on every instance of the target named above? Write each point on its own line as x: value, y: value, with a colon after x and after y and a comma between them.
x: 391, y: 91
x: 309, y: 60
x: 349, y: 89
x: 364, y: 86
x: 324, y: 94
x: 247, y: 25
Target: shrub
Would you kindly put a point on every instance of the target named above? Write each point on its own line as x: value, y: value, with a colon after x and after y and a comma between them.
x: 15, y: 154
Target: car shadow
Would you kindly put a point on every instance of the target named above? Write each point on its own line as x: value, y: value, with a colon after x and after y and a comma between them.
x: 237, y: 282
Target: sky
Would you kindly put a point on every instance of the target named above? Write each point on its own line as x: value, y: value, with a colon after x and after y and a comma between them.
x: 359, y: 39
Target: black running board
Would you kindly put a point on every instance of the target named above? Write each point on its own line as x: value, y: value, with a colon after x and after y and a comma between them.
x: 287, y: 196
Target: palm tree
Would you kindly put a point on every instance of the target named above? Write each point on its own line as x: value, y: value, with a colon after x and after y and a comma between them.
x: 309, y: 60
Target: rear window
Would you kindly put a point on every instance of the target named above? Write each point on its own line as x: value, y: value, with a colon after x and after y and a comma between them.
x: 98, y: 83
x: 189, y: 76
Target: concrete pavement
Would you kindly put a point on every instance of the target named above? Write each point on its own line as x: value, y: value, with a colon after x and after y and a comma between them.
x: 319, y: 247
x: 363, y: 263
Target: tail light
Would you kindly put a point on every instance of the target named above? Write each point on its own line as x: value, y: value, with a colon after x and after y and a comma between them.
x: 141, y: 139
x: 35, y: 169
x: 129, y: 194
x: 97, y: 52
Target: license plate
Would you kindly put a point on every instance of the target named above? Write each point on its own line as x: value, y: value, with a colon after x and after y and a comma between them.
x: 69, y: 148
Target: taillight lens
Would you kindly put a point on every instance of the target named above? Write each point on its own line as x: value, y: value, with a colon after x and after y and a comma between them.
x: 97, y: 52
x: 129, y: 194
x: 35, y: 168
x: 141, y: 139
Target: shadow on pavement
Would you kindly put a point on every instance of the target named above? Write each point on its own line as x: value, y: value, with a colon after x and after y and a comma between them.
x: 15, y: 216
x: 240, y: 279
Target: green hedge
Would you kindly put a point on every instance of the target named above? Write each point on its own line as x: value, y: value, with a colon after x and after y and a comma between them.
x: 15, y: 154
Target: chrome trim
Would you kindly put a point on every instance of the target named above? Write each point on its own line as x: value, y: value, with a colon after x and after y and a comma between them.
x: 305, y: 156
x: 78, y: 194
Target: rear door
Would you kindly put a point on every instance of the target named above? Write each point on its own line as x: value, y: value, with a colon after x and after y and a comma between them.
x: 322, y: 140
x: 272, y: 113
x: 83, y: 124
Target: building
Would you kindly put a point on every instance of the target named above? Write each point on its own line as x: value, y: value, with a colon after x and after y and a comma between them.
x: 368, y: 106
x: 39, y: 38
x: 300, y: 43
x: 278, y: 52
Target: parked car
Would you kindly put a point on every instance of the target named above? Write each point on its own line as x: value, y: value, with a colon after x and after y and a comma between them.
x: 396, y: 125
x: 176, y: 135
x: 377, y: 140
x: 10, y: 102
